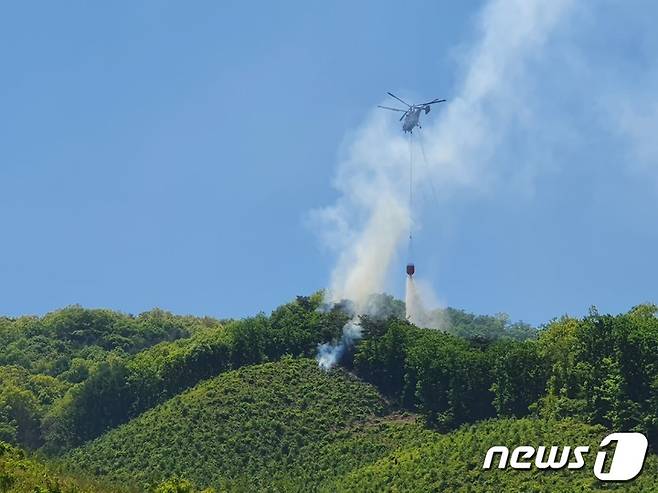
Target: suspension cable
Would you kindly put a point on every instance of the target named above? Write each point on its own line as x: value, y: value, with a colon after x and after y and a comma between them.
x: 411, y: 196
x: 428, y: 169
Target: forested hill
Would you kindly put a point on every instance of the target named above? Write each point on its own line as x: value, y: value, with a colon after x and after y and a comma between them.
x: 241, y: 426
x: 75, y: 373
x: 153, y: 401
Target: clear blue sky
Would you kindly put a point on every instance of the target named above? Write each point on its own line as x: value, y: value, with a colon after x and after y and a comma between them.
x: 166, y: 154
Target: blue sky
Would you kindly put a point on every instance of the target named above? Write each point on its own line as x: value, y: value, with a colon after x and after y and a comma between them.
x: 168, y: 154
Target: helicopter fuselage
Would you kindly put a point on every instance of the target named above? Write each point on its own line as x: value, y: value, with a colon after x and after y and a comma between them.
x: 411, y: 120
x: 411, y: 117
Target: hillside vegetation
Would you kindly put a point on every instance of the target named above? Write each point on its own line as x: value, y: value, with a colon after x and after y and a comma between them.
x: 322, y: 464
x: 45, y: 361
x: 21, y: 474
x: 249, y: 422
x: 97, y: 369
x: 187, y: 402
x: 601, y: 369
x: 453, y: 462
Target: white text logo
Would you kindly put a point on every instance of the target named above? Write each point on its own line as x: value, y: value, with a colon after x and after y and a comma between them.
x: 626, y: 462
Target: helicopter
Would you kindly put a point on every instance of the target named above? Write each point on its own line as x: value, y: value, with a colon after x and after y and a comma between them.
x: 411, y: 115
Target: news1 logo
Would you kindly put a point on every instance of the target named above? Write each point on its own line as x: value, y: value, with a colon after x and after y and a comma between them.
x: 626, y: 463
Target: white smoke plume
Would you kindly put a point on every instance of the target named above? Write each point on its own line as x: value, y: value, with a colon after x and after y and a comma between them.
x: 371, y: 217
x: 329, y: 354
x: 418, y: 298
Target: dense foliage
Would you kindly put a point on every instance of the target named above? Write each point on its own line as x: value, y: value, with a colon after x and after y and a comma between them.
x: 22, y: 474
x: 69, y: 343
x: 499, y: 326
x: 604, y: 369
x: 323, y: 463
x: 454, y: 462
x: 179, y: 404
x: 122, y: 388
x: 44, y: 361
x: 104, y: 368
x: 448, y: 379
x: 242, y: 423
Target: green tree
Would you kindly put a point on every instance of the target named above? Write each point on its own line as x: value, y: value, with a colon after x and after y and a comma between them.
x: 520, y: 375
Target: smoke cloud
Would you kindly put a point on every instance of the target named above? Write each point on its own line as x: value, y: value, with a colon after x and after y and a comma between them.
x: 543, y: 88
x: 371, y: 218
x: 329, y: 354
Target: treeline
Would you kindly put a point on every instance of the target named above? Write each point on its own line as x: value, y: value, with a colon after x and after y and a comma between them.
x: 68, y: 343
x: 122, y: 388
x: 601, y: 369
x: 488, y: 327
x: 448, y: 379
x: 67, y: 380
x: 44, y: 361
x: 73, y: 374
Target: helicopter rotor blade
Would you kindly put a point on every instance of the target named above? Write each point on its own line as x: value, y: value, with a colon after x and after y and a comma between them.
x: 389, y: 108
x: 402, y: 101
x: 433, y: 102
x: 403, y: 115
